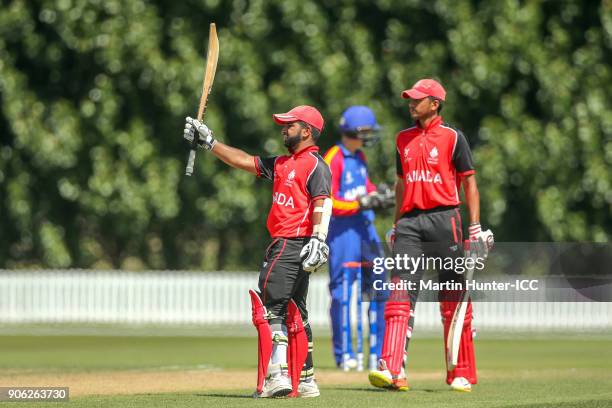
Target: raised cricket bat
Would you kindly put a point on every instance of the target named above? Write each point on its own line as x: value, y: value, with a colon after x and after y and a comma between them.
x: 209, y: 76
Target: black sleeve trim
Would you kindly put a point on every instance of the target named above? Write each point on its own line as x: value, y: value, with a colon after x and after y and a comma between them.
x: 319, y: 180
x: 265, y: 167
x: 462, y: 155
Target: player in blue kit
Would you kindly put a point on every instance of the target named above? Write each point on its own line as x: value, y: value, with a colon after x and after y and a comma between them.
x: 352, y: 237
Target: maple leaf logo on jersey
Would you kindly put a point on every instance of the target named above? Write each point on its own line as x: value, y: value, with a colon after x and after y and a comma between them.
x: 290, y: 177
x: 433, y: 156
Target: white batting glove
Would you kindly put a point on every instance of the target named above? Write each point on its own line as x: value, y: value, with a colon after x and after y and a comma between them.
x: 206, y: 140
x: 480, y: 241
x: 390, y: 237
x: 314, y: 254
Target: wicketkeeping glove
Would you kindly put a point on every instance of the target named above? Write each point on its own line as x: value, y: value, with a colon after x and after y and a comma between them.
x: 206, y: 140
x: 314, y: 254
x: 369, y: 202
x: 386, y: 196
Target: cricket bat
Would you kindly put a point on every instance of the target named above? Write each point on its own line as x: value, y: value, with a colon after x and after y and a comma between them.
x: 209, y: 76
x: 453, y: 341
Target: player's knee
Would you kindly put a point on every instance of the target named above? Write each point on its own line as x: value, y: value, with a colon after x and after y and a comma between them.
x: 259, y: 314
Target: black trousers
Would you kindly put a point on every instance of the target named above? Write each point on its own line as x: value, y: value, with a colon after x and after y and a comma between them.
x: 435, y: 233
x: 282, y: 278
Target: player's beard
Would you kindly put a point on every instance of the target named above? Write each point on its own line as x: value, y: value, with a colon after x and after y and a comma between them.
x: 292, y: 141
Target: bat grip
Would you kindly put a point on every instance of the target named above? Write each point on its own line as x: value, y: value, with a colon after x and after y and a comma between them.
x: 190, y: 162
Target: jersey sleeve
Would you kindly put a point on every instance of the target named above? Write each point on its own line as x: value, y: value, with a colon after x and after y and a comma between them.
x: 340, y: 207
x: 265, y: 167
x: 319, y: 182
x: 462, y: 157
x: 398, y: 164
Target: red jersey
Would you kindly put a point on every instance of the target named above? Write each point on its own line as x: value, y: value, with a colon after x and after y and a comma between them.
x: 299, y: 180
x: 431, y: 162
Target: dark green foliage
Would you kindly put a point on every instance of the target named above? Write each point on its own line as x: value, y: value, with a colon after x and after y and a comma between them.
x: 94, y: 93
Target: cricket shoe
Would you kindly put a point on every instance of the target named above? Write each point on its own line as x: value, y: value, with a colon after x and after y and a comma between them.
x: 382, y: 378
x: 461, y: 384
x: 308, y: 389
x: 275, y: 387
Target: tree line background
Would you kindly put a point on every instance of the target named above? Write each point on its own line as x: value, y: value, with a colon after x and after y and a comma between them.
x: 94, y: 93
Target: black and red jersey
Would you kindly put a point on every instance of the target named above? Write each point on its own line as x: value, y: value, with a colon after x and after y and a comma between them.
x: 431, y: 162
x: 299, y: 180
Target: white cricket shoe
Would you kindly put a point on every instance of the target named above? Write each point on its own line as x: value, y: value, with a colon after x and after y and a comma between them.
x: 382, y: 378
x: 308, y: 389
x: 461, y: 384
x: 276, y: 386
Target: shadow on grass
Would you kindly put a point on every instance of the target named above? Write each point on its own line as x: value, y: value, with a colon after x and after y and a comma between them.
x: 380, y: 390
x: 217, y: 395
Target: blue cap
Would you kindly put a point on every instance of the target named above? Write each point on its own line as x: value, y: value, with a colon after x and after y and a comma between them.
x: 358, y: 118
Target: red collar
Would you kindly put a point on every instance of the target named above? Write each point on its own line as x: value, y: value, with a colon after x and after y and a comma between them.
x: 312, y: 148
x: 435, y: 122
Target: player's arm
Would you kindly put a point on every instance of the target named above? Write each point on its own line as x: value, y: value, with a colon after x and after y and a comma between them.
x: 230, y: 155
x: 399, y: 197
x: 315, y: 253
x: 319, y: 187
x: 472, y: 198
x: 235, y: 157
x: 320, y: 218
x: 399, y: 186
x: 464, y: 165
x: 462, y: 159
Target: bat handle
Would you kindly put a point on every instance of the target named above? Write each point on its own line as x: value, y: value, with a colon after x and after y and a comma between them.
x: 190, y: 162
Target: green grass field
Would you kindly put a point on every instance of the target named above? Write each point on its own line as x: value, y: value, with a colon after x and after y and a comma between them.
x: 220, y: 371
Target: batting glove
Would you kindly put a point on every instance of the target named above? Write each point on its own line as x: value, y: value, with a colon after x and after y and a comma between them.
x: 480, y: 241
x: 314, y: 254
x: 390, y: 237
x: 206, y: 140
